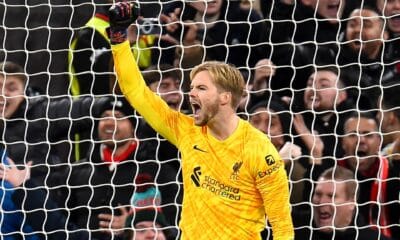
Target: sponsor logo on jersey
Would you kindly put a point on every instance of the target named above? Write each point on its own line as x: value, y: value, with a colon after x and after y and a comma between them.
x: 221, y: 189
x: 196, y: 176
x: 269, y: 171
x: 214, y: 186
x: 270, y: 160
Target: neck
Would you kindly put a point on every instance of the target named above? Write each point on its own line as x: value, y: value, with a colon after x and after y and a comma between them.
x: 224, y: 127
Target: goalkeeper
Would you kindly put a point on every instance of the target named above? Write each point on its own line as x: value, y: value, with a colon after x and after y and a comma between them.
x: 233, y: 176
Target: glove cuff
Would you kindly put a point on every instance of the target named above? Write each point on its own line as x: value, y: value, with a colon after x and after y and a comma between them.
x: 117, y: 34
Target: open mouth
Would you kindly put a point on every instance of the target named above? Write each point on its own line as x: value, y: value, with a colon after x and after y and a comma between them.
x: 361, y: 153
x: 395, y: 18
x: 324, y: 215
x: 173, y: 104
x: 333, y: 10
x: 357, y: 42
x: 196, y: 108
x: 333, y: 7
x: 325, y: 218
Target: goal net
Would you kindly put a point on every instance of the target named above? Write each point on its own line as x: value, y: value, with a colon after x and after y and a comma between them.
x: 322, y: 80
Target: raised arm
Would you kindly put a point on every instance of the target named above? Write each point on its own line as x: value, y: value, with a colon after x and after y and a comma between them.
x: 153, y: 109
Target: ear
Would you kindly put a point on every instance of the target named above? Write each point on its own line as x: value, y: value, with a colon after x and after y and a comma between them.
x: 391, y: 118
x: 307, y: 2
x: 385, y: 35
x: 342, y: 96
x: 225, y: 98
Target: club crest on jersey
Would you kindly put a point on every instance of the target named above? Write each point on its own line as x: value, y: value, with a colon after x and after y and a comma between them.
x: 269, y: 159
x: 236, y: 167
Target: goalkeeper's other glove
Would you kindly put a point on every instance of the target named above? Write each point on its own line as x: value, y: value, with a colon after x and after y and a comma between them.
x: 122, y: 14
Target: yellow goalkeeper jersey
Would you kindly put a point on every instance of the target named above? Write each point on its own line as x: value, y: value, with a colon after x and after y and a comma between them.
x: 230, y: 186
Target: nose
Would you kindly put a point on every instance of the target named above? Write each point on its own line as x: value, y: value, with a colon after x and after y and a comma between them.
x: 397, y: 4
x: 323, y: 200
x: 150, y: 234
x: 192, y: 93
x: 109, y: 121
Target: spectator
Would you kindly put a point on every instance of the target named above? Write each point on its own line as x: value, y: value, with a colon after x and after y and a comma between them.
x: 365, y: 62
x: 334, y: 214
x: 32, y: 125
x: 147, y: 224
x: 221, y: 32
x: 98, y: 189
x: 258, y: 85
x: 307, y: 20
x: 319, y: 121
x: 312, y: 25
x: 165, y: 80
x: 51, y: 221
x: 274, y: 119
x: 365, y: 59
x: 33, y: 206
x: 379, y: 186
x: 390, y: 10
x: 389, y: 120
x: 12, y: 225
x: 90, y: 62
x: 89, y: 57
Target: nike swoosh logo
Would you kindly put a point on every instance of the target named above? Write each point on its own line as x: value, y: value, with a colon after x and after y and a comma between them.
x: 195, y: 147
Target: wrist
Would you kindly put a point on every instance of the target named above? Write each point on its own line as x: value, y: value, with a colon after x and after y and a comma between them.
x: 117, y: 34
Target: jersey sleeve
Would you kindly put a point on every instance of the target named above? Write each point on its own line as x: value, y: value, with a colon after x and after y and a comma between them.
x: 154, y: 110
x: 272, y: 183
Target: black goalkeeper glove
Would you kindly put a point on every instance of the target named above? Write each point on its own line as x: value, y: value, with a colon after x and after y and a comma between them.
x: 122, y: 14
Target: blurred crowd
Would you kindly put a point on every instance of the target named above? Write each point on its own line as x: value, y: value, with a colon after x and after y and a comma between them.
x: 323, y: 82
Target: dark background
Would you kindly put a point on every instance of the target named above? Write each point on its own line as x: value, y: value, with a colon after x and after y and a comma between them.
x: 36, y: 34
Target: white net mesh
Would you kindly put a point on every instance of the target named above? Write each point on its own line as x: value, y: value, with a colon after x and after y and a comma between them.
x: 316, y: 73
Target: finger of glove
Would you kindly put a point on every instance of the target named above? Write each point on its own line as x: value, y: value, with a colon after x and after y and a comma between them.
x: 120, y: 14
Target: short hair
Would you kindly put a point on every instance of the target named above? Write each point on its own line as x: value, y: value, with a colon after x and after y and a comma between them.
x: 225, y: 76
x: 281, y: 110
x: 341, y: 174
x: 335, y: 70
x: 156, y: 73
x: 361, y: 114
x: 372, y: 8
x: 8, y: 68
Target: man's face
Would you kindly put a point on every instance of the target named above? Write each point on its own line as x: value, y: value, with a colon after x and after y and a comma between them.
x: 12, y: 95
x: 269, y: 123
x: 361, y: 143
x: 322, y: 92
x: 329, y: 9
x: 365, y: 32
x: 208, y: 7
x: 204, y: 98
x: 114, y: 128
x: 168, y: 89
x: 392, y: 13
x: 145, y: 230
x: 332, y: 207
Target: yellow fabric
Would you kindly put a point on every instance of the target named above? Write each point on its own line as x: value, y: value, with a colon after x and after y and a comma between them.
x: 100, y: 26
x: 229, y: 186
x: 142, y: 50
